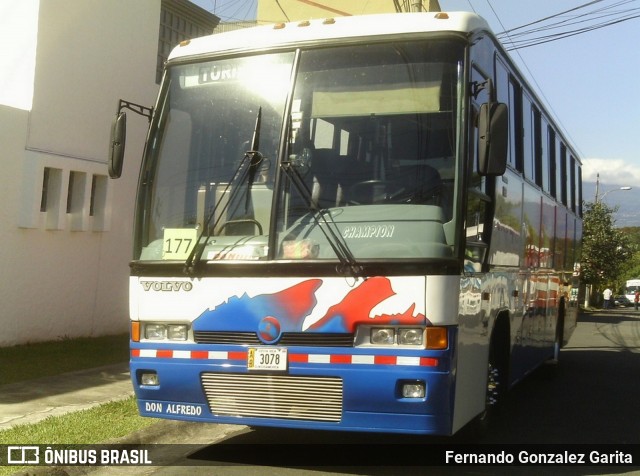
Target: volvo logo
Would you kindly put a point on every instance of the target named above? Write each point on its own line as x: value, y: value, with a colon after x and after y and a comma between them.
x: 166, y: 285
x: 269, y: 330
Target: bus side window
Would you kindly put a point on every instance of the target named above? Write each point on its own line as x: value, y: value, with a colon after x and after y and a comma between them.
x: 478, y: 203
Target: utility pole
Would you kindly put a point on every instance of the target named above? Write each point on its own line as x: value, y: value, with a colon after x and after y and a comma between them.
x: 600, y: 197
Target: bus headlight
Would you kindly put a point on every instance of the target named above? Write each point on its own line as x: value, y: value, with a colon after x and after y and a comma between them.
x: 410, y: 336
x: 155, y: 331
x: 383, y: 335
x: 177, y: 332
x: 417, y: 337
x: 173, y: 332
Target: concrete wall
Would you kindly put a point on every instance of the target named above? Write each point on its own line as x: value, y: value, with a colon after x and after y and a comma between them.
x: 296, y: 10
x: 270, y: 11
x: 65, y: 271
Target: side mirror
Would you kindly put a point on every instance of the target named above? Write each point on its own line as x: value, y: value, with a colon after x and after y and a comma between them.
x: 116, y: 144
x: 493, y: 130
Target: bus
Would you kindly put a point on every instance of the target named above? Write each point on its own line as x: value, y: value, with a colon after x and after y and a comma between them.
x: 631, y: 286
x: 366, y: 223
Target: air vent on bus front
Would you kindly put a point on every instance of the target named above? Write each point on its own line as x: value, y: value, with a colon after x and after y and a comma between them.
x: 292, y: 339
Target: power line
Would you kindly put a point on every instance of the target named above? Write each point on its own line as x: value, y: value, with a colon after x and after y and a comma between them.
x: 515, y: 45
x: 539, y: 89
x: 567, y: 26
x: 282, y: 10
x: 230, y: 11
x: 508, y: 32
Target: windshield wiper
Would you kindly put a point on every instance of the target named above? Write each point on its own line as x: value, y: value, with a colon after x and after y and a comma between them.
x: 253, y: 158
x: 329, y: 230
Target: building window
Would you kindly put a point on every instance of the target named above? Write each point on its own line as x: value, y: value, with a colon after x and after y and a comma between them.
x: 51, y: 197
x: 45, y: 189
x: 75, y: 192
x: 98, y: 202
x: 98, y: 195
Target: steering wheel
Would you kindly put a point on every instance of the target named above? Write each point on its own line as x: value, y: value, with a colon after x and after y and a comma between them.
x: 372, y: 187
x: 241, y: 221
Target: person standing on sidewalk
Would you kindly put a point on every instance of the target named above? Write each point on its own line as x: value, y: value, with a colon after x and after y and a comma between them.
x: 607, y: 298
x: 636, y: 299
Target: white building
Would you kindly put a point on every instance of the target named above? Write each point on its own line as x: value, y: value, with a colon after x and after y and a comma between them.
x: 65, y: 227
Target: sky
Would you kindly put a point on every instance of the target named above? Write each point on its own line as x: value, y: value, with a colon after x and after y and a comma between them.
x: 18, y: 26
x: 589, y: 80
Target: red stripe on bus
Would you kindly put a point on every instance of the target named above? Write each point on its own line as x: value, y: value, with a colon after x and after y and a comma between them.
x: 385, y: 359
x: 340, y: 359
x: 237, y: 356
x: 428, y: 361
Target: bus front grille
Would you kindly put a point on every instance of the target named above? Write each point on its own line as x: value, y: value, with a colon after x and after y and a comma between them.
x: 293, y: 339
x: 274, y: 396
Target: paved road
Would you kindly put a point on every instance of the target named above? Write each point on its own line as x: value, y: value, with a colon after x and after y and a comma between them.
x: 591, y: 397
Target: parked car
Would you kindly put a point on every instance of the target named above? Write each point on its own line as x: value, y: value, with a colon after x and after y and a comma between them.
x: 622, y: 301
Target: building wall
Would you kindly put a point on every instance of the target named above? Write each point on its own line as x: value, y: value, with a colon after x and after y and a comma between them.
x: 65, y: 270
x: 296, y: 10
x: 270, y: 11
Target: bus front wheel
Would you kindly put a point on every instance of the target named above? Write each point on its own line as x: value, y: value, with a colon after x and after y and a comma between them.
x: 497, y: 371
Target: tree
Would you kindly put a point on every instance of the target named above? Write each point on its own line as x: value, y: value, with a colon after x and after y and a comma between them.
x: 606, y: 250
x: 633, y: 265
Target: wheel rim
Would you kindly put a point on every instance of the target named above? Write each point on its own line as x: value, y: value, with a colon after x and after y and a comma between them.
x: 493, y: 385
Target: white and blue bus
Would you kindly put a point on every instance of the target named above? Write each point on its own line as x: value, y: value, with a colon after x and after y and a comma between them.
x: 359, y: 223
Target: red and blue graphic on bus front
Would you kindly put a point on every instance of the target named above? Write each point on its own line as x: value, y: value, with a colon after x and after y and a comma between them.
x: 286, y: 311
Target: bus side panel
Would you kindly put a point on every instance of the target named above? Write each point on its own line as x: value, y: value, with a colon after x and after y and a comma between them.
x: 472, y: 351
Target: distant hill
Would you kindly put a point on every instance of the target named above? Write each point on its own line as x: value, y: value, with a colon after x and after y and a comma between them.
x: 628, y: 201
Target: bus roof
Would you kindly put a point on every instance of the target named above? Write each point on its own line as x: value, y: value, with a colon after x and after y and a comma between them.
x: 293, y: 33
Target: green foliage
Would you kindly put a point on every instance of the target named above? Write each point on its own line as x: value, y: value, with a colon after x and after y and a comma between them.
x: 95, y: 425
x: 92, y: 426
x: 632, y: 270
x: 633, y: 234
x: 43, y: 359
x: 606, y: 251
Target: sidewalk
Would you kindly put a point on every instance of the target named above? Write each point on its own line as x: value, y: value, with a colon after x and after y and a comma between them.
x: 34, y: 400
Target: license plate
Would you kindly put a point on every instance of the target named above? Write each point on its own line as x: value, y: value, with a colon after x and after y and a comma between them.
x: 267, y: 358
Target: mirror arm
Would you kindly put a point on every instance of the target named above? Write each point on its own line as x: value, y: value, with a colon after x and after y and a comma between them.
x: 137, y: 108
x: 477, y: 87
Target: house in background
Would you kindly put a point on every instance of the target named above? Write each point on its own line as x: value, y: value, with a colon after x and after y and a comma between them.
x: 65, y: 228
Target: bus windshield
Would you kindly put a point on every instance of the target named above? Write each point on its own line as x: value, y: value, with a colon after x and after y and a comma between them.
x: 358, y: 156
